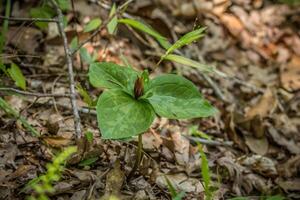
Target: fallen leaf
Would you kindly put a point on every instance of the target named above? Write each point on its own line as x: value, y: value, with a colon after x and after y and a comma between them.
x: 290, y: 185
x: 290, y: 74
x: 258, y: 146
x: 232, y: 23
x: 261, y: 164
x: 181, y: 182
x: 57, y: 141
x: 266, y: 105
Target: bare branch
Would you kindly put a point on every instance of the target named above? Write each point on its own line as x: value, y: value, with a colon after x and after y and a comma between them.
x: 209, y: 142
x: 32, y: 93
x: 28, y: 19
x: 68, y: 53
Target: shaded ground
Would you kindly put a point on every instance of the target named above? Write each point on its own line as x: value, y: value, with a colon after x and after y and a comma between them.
x: 257, y: 43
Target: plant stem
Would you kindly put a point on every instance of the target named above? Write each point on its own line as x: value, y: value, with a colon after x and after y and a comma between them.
x: 139, y: 155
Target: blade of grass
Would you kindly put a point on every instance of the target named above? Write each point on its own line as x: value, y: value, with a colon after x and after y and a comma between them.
x: 205, y: 173
x: 187, y: 39
x: 142, y: 26
x: 192, y: 63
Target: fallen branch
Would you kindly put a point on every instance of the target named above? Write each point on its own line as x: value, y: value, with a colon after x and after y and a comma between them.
x: 209, y: 142
x: 28, y: 19
x: 68, y: 53
x: 32, y: 93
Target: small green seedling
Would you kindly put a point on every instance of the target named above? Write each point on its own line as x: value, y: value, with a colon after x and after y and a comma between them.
x: 132, y: 100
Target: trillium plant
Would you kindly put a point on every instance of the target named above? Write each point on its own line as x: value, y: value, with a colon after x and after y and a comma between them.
x: 129, y: 105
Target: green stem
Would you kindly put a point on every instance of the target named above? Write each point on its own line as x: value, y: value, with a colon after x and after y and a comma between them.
x: 139, y: 155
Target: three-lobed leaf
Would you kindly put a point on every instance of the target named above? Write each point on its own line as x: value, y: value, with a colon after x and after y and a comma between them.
x: 121, y: 116
x: 175, y: 97
x: 112, y: 76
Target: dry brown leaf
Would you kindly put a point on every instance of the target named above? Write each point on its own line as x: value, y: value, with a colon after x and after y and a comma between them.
x: 261, y: 164
x: 289, y: 144
x: 290, y: 167
x: 181, y: 182
x: 290, y: 185
x: 290, y: 74
x: 258, y: 146
x: 114, y: 181
x: 57, y: 141
x: 233, y: 24
x: 264, y: 107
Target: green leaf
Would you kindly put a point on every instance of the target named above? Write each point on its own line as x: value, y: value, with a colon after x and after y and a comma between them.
x: 276, y: 197
x: 171, y: 188
x: 112, y: 25
x: 86, y: 97
x: 63, y: 4
x: 92, y: 25
x: 74, y: 43
x: 17, y: 75
x: 186, y: 39
x: 175, y: 97
x: 85, y: 55
x: 121, y: 116
x: 146, y: 29
x: 41, y: 12
x: 205, y: 173
x: 192, y: 63
x: 88, y: 161
x: 89, y: 136
x: 112, y: 76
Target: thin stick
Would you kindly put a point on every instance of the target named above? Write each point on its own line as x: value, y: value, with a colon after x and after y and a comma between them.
x: 103, y: 25
x: 209, y: 142
x: 33, y: 93
x: 28, y: 19
x: 68, y: 53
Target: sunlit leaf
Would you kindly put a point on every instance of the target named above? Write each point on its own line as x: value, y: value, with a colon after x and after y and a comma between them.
x: 112, y: 25
x: 17, y: 75
x: 192, y: 63
x: 92, y: 25
x: 186, y: 39
x: 86, y: 97
x: 205, y: 173
x: 42, y: 12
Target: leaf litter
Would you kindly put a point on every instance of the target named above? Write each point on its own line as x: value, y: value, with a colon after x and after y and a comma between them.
x: 257, y: 41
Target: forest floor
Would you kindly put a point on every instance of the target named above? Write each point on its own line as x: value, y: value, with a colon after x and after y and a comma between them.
x: 253, y: 144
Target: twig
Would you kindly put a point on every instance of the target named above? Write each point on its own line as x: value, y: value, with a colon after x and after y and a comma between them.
x: 28, y: 19
x: 103, y: 25
x: 82, y: 110
x: 32, y: 93
x: 68, y: 53
x: 209, y: 142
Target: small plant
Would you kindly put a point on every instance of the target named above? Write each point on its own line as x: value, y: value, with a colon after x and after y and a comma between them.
x: 129, y: 105
x: 42, y: 185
